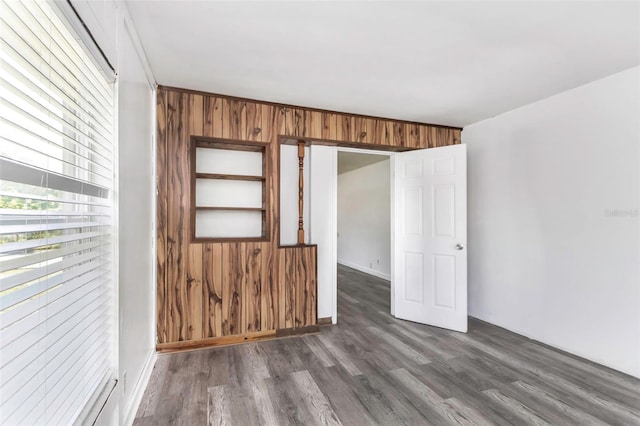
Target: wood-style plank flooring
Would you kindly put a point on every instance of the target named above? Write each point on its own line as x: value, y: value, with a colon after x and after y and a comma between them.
x: 373, y: 369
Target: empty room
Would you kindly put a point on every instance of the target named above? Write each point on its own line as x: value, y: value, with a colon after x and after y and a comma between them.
x: 319, y: 212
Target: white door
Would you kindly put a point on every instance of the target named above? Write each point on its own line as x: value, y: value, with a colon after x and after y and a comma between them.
x: 429, y: 234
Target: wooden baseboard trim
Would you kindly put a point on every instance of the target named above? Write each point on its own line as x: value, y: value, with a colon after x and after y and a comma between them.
x: 325, y: 321
x: 213, y: 342
x: 296, y: 331
x: 210, y: 342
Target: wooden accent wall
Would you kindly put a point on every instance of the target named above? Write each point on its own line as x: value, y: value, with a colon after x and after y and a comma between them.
x: 209, y: 291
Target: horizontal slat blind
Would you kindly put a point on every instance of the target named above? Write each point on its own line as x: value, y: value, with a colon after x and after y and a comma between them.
x: 56, y: 210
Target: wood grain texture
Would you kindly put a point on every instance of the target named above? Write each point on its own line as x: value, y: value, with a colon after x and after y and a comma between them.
x: 388, y: 135
x: 302, y: 123
x: 437, y: 137
x: 315, y: 123
x: 290, y: 121
x: 253, y: 304
x: 412, y: 135
x: 212, y: 290
x: 424, y: 136
x: 212, y: 117
x: 253, y: 126
x: 273, y: 123
x: 193, y: 313
x: 306, y: 303
x: 398, y: 134
x: 177, y: 215
x: 300, y: 286
x: 363, y: 130
x: 290, y: 277
x: 456, y: 136
x: 194, y: 294
x: 283, y: 289
x: 237, y: 119
x: 196, y: 115
x: 335, y: 127
x: 212, y: 342
x: 346, y: 122
x: 378, y: 132
x: 282, y: 105
x: 364, y: 371
x: 270, y: 288
x: 161, y: 218
x: 327, y: 125
x: 233, y: 288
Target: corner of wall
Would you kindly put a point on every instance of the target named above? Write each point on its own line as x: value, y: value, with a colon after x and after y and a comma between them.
x: 539, y: 177
x: 129, y: 412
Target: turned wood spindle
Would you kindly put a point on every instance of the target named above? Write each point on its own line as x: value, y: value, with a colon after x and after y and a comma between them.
x: 300, y: 192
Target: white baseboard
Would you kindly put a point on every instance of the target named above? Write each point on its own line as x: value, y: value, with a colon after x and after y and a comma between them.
x: 491, y: 320
x: 141, y: 386
x: 365, y: 270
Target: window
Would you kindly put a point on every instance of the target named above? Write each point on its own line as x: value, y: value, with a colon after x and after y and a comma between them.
x: 56, y: 210
x: 228, y: 190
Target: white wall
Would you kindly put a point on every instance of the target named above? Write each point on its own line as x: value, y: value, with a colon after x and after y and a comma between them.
x: 107, y: 20
x: 322, y: 230
x: 547, y: 258
x: 136, y: 201
x: 364, y: 219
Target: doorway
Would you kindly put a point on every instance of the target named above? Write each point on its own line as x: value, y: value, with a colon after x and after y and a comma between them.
x: 363, y: 212
x: 427, y: 232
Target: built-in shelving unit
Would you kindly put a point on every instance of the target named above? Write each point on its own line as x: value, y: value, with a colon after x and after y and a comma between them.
x: 237, y: 290
x: 228, y: 190
x: 230, y: 177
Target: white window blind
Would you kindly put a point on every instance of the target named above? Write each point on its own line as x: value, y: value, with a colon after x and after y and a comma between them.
x: 56, y: 209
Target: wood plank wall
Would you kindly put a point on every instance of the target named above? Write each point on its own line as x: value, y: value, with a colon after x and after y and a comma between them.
x: 207, y: 291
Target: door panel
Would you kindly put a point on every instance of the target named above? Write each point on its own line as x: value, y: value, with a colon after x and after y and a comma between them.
x: 444, y: 279
x: 412, y: 204
x: 429, y: 234
x: 414, y: 270
x: 444, y: 215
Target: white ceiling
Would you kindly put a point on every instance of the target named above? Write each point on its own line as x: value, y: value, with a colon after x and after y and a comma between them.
x: 451, y: 63
x: 348, y: 161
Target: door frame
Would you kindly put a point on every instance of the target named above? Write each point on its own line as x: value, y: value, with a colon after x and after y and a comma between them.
x: 334, y: 239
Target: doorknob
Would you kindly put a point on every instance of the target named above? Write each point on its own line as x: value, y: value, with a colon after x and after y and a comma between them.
x: 459, y: 246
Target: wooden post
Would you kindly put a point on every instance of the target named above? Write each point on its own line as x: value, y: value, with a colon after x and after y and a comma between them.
x: 300, y: 192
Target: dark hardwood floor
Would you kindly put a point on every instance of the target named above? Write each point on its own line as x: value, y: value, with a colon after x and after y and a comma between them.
x: 374, y: 369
